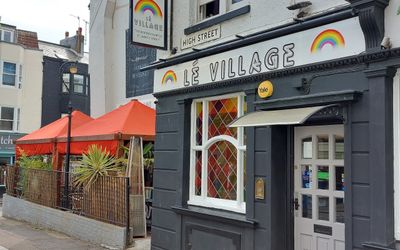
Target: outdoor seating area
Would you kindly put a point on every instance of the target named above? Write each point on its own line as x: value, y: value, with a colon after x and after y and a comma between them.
x: 110, y: 176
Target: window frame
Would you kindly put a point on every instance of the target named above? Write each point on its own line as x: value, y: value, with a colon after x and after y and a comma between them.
x: 71, y: 79
x: 2, y: 34
x: 225, y: 6
x: 238, y: 205
x: 83, y: 85
x: 16, y: 82
x: 14, y: 121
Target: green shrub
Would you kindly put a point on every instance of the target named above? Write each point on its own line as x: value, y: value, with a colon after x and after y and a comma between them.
x: 97, y: 162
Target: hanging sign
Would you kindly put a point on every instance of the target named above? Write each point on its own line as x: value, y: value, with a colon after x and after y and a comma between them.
x: 332, y: 41
x: 148, y: 23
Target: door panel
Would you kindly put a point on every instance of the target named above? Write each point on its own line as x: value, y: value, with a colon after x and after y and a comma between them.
x: 319, y: 183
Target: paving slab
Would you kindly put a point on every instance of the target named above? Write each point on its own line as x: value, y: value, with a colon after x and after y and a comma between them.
x: 17, y: 235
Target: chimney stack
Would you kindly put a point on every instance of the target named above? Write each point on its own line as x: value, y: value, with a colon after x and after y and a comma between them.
x: 75, y: 42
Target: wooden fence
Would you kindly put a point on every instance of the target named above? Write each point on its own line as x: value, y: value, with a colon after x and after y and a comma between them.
x: 106, y: 200
x: 2, y: 175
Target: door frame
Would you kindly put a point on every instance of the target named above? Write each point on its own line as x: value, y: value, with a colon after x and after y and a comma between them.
x: 290, y: 177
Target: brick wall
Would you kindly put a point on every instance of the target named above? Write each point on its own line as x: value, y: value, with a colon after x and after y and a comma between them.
x: 28, y: 39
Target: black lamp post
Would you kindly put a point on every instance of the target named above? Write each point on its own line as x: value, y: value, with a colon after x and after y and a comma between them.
x: 73, y: 69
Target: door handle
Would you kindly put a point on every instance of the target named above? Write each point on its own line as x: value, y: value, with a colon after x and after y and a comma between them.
x: 296, y: 204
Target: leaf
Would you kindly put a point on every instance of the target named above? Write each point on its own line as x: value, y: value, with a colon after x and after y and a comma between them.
x: 398, y: 11
x: 94, y: 164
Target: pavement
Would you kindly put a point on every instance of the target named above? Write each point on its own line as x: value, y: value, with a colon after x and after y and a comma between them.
x: 17, y: 235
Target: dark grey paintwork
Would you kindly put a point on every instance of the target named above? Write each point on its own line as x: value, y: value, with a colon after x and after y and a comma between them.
x: 54, y: 102
x: 368, y: 146
x: 365, y: 100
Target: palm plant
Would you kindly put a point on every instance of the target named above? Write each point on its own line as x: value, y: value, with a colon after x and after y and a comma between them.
x: 148, y: 156
x: 94, y: 164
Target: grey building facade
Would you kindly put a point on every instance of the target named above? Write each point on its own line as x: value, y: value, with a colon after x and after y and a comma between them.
x: 355, y: 95
x: 55, y: 96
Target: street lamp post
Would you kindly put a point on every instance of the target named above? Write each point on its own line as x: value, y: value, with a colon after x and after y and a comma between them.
x: 72, y: 70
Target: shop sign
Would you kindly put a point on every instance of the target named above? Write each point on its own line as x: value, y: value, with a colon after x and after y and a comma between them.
x: 201, y: 37
x: 7, y: 141
x: 148, y: 23
x: 265, y: 89
x: 327, y: 42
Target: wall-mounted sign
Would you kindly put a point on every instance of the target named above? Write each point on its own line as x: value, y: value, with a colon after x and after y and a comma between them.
x: 327, y: 42
x: 138, y: 82
x: 7, y: 141
x: 200, y: 37
x: 148, y: 23
x: 260, y: 189
x: 265, y: 89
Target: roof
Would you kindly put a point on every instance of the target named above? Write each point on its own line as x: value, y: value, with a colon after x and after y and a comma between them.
x: 49, y: 132
x: 62, y: 52
x: 131, y: 119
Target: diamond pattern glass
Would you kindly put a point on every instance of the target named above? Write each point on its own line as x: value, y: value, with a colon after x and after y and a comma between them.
x: 197, y: 180
x: 222, y: 171
x: 221, y: 113
x: 199, y: 122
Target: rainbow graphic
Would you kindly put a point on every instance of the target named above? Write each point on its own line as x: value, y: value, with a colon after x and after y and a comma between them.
x: 169, y: 76
x: 148, y: 5
x: 331, y: 37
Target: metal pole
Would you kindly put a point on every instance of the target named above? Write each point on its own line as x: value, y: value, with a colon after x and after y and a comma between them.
x: 67, y: 160
x: 68, y: 153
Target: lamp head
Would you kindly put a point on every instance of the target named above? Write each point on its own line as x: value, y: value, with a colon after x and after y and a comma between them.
x: 73, y: 69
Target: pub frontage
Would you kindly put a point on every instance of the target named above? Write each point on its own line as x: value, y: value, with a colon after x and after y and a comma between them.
x: 282, y: 140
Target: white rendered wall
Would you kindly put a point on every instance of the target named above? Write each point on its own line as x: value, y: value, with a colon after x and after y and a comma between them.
x: 396, y: 136
x: 263, y: 15
x: 107, y: 58
x: 392, y: 22
x: 29, y: 97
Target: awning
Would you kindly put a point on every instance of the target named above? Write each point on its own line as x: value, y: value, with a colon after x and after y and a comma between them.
x: 276, y: 117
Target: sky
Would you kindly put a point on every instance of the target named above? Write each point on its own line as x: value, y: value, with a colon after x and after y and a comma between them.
x: 49, y: 18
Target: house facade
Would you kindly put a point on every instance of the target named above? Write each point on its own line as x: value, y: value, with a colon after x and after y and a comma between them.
x: 32, y: 93
x: 277, y: 126
x: 20, y: 87
x: 57, y: 58
x: 114, y: 61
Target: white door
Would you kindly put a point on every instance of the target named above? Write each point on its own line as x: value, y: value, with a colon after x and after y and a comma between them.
x: 319, y: 188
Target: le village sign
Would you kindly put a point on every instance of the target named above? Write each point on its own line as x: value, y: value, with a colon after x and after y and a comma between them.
x: 332, y: 41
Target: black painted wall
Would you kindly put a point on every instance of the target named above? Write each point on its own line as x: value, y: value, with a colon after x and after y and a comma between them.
x: 54, y: 102
x: 138, y: 82
x: 268, y: 224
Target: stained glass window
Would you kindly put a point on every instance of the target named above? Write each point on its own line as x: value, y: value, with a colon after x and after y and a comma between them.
x: 199, y: 122
x: 218, y: 153
x: 198, y: 173
x: 220, y: 114
x: 222, y: 171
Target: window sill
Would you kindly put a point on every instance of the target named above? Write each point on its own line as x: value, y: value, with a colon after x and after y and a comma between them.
x: 215, y: 215
x: 217, y: 19
x: 9, y: 86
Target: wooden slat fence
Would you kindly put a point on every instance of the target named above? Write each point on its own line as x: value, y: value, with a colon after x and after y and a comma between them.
x: 41, y: 187
x: 11, y: 181
x: 2, y: 175
x: 106, y: 200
